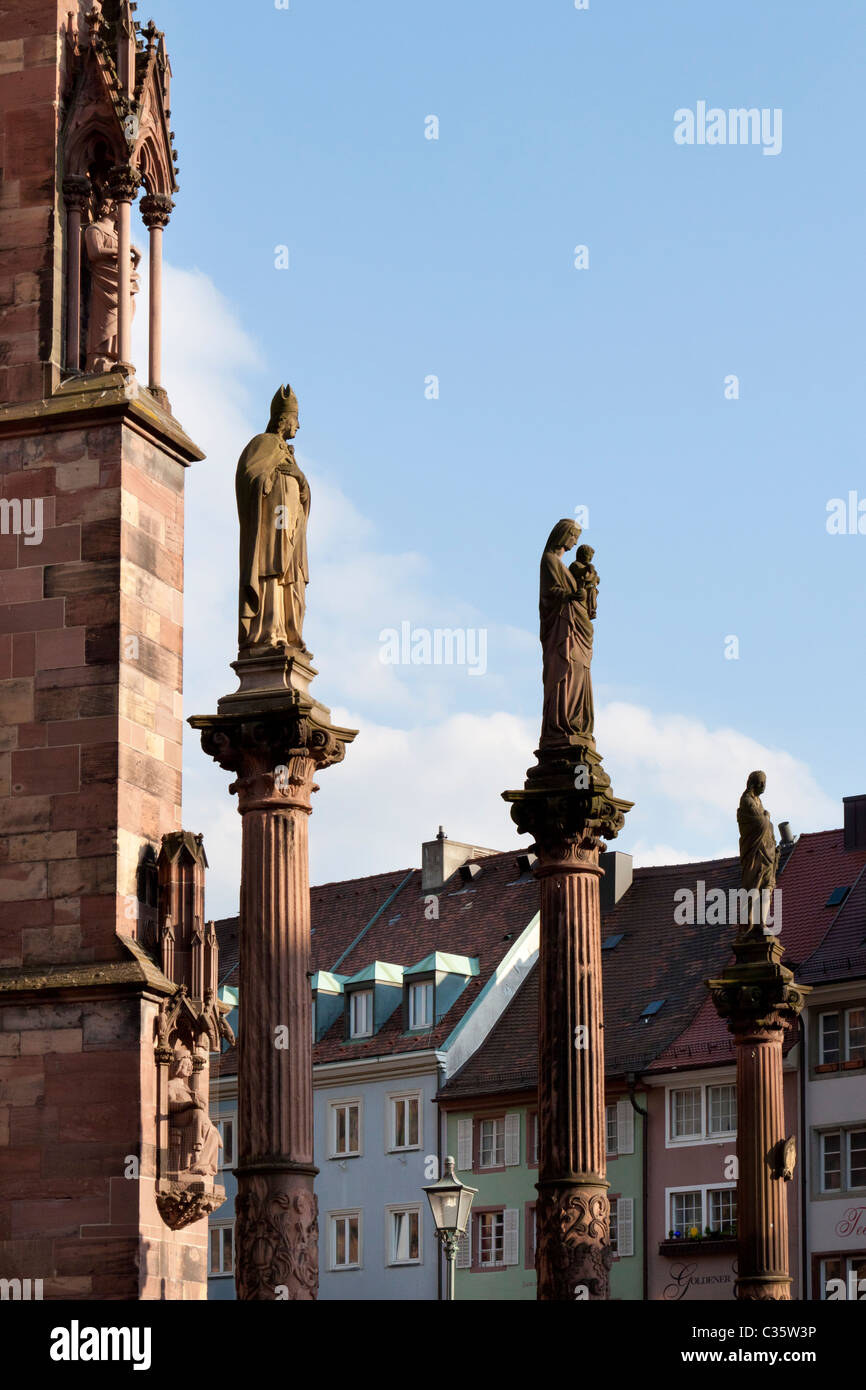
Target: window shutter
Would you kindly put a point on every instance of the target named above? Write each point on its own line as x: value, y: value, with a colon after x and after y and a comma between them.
x: 512, y: 1140
x: 625, y: 1225
x: 624, y: 1126
x: 464, y: 1144
x: 464, y: 1250
x: 510, y: 1235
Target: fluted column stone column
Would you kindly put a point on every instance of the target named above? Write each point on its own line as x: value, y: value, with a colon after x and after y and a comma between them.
x: 123, y: 184
x: 275, y: 752
x: 759, y: 999
x: 573, y: 1255
x: 76, y: 195
x: 155, y: 212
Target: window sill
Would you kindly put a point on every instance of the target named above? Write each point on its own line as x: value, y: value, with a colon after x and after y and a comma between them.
x: 339, y: 1158
x: 726, y: 1245
x: 406, y: 1149
x: 345, y: 1269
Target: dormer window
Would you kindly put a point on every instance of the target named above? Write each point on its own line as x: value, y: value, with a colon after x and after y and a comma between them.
x: 421, y: 1005
x: 361, y: 1014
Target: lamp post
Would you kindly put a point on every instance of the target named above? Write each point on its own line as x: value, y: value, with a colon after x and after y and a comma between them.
x: 450, y: 1202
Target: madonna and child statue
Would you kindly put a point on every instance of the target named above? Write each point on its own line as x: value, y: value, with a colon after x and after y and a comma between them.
x: 568, y: 599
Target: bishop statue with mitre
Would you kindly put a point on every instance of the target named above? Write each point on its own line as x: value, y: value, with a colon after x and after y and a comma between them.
x: 273, y: 499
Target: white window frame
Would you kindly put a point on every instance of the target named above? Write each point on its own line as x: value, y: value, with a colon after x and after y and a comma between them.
x: 611, y: 1106
x: 490, y: 1120
x: 220, y: 1226
x: 429, y: 995
x: 391, y: 1145
x: 399, y: 1208
x: 354, y: 995
x: 845, y: 1132
x: 673, y: 1141
x: 717, y: 1086
x: 228, y: 1154
x: 333, y: 1217
x: 848, y: 1261
x: 333, y: 1107
x: 704, y: 1189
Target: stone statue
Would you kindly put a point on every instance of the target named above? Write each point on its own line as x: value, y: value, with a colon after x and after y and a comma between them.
x: 100, y: 245
x: 759, y: 853
x: 188, y: 1113
x: 273, y: 499
x: 566, y: 641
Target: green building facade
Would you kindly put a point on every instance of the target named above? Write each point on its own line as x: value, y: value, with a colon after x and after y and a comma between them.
x: 494, y: 1141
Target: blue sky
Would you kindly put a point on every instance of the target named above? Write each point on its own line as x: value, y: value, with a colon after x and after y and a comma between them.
x: 559, y: 388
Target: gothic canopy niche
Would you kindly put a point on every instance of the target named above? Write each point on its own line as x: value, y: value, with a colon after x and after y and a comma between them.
x: 118, y: 100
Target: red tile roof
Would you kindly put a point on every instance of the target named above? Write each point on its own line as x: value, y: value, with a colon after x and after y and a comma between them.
x: 658, y: 959
x: 479, y: 919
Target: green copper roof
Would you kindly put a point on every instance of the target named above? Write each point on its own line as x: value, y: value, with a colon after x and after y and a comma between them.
x: 378, y: 972
x: 329, y: 982
x: 447, y: 963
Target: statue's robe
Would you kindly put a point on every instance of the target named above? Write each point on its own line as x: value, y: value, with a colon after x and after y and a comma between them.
x: 101, y: 248
x: 757, y: 843
x: 273, y: 504
x: 566, y: 644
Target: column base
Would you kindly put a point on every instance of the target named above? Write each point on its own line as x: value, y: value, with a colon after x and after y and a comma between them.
x: 276, y: 1233
x: 761, y: 1288
x: 573, y: 1256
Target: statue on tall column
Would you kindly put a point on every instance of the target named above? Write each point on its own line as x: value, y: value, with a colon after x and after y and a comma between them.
x: 567, y: 605
x: 759, y: 853
x: 100, y: 245
x: 273, y: 499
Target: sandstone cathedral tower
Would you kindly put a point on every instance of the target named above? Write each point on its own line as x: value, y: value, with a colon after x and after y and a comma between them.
x: 108, y: 1011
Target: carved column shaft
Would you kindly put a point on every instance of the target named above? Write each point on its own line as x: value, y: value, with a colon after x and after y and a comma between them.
x: 155, y: 211
x: 275, y: 753
x: 762, y: 1197
x: 572, y: 1256
x: 76, y: 192
x: 123, y: 184
x: 758, y: 997
x: 573, y: 1214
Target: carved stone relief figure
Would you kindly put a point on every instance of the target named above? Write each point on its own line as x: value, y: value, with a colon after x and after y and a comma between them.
x: 100, y: 245
x: 200, y: 1140
x: 273, y: 499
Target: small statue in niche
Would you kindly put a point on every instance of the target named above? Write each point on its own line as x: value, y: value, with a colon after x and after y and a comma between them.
x: 101, y: 249
x: 273, y: 499
x: 188, y: 1113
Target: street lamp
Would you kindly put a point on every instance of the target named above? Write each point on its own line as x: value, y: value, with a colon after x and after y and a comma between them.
x: 450, y: 1202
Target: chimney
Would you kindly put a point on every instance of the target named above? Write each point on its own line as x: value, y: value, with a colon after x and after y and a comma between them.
x: 855, y: 821
x: 617, y: 877
x: 440, y: 858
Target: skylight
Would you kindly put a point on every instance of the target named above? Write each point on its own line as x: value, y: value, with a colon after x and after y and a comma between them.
x: 837, y: 896
x: 651, y: 1009
x: 611, y: 941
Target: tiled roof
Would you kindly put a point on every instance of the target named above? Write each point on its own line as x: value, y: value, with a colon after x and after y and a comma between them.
x: 658, y: 959
x: 479, y: 919
x: 842, y: 952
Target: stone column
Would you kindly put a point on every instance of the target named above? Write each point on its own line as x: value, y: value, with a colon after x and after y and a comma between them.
x: 758, y: 998
x: 76, y: 194
x: 275, y: 752
x: 572, y: 1214
x: 155, y: 212
x: 123, y: 182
